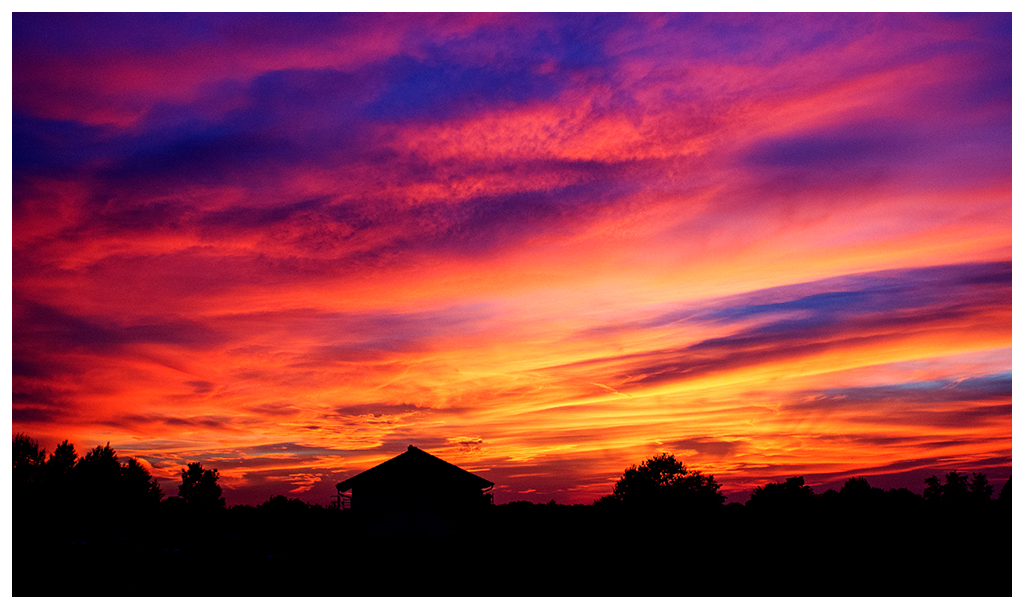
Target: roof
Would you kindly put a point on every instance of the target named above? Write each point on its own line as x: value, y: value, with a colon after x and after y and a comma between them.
x: 415, y: 465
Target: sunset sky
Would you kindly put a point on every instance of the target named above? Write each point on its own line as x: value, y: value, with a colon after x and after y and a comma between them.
x: 543, y: 247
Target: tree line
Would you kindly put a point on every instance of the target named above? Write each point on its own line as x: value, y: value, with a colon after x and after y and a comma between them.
x: 100, y: 481
x: 79, y: 515
x: 663, y: 481
x: 99, y: 488
x: 666, y: 530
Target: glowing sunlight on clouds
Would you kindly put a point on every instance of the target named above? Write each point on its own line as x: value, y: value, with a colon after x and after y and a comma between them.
x: 543, y: 247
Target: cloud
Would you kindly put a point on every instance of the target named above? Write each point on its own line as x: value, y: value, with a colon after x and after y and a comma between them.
x: 376, y: 410
x: 47, y: 326
x: 466, y: 444
x: 140, y: 421
x: 55, y: 147
x: 836, y: 150
x: 706, y: 446
x: 539, y: 245
x: 43, y: 396
x: 995, y: 386
x: 424, y: 89
x: 805, y: 324
x: 201, y: 386
x: 36, y: 415
x: 274, y: 409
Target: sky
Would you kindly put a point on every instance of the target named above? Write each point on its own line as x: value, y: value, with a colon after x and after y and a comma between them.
x: 543, y: 247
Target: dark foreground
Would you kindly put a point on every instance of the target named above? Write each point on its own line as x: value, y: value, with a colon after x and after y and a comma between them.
x: 524, y: 549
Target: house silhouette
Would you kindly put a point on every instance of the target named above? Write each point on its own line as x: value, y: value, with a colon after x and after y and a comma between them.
x: 415, y: 492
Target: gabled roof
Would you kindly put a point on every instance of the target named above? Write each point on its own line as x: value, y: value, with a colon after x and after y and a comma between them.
x: 414, y: 465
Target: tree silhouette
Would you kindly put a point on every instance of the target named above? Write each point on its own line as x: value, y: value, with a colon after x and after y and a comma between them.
x: 98, y: 474
x: 139, y: 487
x: 791, y: 494
x: 902, y: 499
x: 856, y: 487
x: 858, y: 494
x: 199, y: 488
x: 664, y: 481
x: 955, y: 490
x: 980, y: 488
x: 59, y: 480
x: 932, y: 488
x: 279, y: 504
x: 96, y: 489
x: 27, y: 460
x: 61, y: 464
x: 1004, y: 494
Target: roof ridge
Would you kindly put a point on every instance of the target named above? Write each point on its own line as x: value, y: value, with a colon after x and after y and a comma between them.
x: 405, y: 463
